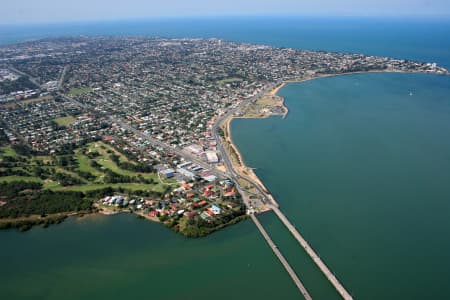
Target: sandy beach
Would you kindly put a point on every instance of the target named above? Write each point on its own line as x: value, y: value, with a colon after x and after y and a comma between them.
x: 239, y: 166
x: 275, y: 90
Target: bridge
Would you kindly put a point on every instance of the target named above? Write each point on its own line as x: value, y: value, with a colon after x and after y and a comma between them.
x: 283, y: 261
x: 261, y: 191
x: 268, y: 199
x: 325, y: 270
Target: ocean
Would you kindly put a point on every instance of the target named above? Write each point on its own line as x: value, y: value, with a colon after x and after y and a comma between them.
x: 360, y: 166
x: 406, y: 38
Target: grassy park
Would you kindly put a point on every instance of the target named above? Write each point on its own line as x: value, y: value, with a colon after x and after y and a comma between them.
x: 229, y: 80
x: 65, y: 121
x: 87, y: 171
x: 80, y: 91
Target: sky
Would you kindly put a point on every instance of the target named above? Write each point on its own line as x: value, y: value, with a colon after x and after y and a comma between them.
x: 55, y: 11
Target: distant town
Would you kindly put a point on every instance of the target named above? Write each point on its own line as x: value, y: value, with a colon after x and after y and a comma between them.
x: 133, y: 124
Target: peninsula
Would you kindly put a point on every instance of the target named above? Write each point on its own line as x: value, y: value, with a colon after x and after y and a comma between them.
x: 141, y: 125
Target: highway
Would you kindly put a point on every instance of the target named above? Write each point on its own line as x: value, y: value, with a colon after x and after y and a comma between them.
x: 32, y: 79
x: 283, y: 260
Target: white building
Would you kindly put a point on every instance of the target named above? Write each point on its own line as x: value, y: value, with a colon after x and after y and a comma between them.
x: 196, y: 149
x: 211, y: 156
x: 186, y: 173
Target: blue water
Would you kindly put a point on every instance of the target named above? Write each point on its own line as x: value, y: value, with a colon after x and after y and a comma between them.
x: 362, y: 168
x: 368, y: 278
x: 419, y: 39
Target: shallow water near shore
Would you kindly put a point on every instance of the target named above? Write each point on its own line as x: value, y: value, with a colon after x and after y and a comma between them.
x: 361, y: 166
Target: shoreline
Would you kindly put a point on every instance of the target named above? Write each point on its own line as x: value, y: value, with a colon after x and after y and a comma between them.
x: 106, y: 211
x: 246, y: 173
x: 26, y: 223
x: 241, y: 168
x: 353, y: 73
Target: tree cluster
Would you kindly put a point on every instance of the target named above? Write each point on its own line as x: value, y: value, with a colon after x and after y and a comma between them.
x: 139, y: 167
x: 20, y: 84
x: 28, y: 198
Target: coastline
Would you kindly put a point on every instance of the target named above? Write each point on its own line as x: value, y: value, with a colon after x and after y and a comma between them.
x: 26, y: 223
x: 246, y: 173
x: 277, y: 89
x: 239, y: 166
x: 109, y: 211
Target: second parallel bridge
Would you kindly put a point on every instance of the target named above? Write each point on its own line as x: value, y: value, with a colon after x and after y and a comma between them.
x: 283, y: 260
x: 327, y: 272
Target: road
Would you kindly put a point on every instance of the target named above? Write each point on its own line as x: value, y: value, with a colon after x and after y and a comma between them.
x: 157, y: 143
x: 32, y: 79
x: 283, y: 260
x: 265, y: 195
x: 180, y: 152
x: 61, y: 77
x: 268, y: 198
x: 226, y: 159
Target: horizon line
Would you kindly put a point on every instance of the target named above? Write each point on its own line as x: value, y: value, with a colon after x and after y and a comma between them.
x: 427, y: 17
